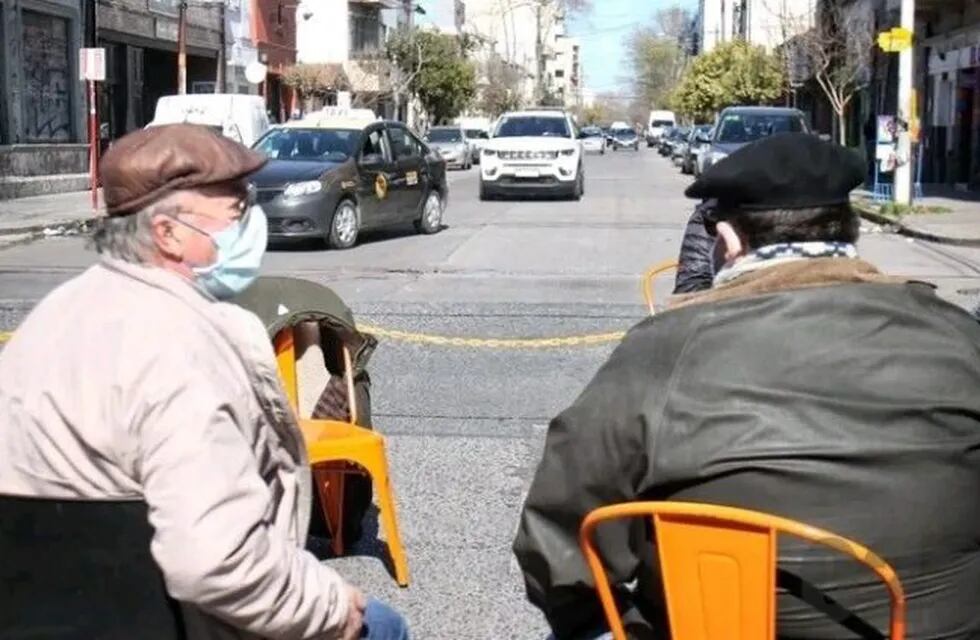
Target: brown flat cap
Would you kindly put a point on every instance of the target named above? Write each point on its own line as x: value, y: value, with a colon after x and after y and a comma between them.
x: 145, y: 165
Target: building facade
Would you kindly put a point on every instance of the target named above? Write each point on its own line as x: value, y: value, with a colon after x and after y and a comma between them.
x: 42, y: 101
x: 274, y: 36
x: 140, y: 39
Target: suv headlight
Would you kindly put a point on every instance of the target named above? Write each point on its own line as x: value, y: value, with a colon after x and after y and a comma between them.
x: 488, y: 152
x: 298, y: 189
x: 568, y: 152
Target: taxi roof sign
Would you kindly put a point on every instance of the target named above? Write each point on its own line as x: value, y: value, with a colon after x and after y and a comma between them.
x: 895, y: 40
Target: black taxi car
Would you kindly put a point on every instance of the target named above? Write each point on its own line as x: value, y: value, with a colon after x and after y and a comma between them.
x: 332, y: 176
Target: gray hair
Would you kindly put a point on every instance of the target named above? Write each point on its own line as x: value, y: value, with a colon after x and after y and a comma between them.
x: 130, y: 237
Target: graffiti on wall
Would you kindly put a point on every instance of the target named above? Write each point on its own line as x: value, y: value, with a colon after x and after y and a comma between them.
x: 47, y: 78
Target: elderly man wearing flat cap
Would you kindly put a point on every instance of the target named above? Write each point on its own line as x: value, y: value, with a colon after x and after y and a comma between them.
x: 804, y: 384
x: 144, y: 432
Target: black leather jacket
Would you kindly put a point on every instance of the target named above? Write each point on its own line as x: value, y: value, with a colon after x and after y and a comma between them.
x: 695, y: 269
x: 853, y: 406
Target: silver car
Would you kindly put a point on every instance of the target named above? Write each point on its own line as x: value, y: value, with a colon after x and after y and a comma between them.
x: 452, y: 145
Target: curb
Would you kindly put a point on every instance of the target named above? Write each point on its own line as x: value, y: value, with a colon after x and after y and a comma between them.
x: 35, y: 229
x: 911, y: 232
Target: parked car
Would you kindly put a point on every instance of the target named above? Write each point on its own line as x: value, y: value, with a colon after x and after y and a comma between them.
x: 671, y: 140
x: 663, y: 143
x: 738, y: 126
x: 241, y: 117
x: 593, y: 140
x: 695, y: 146
x: 658, y: 124
x: 625, y: 138
x: 333, y: 177
x: 476, y: 138
x: 533, y: 152
x: 451, y: 143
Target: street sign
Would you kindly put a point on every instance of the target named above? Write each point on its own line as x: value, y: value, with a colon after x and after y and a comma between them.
x: 895, y: 40
x: 91, y: 64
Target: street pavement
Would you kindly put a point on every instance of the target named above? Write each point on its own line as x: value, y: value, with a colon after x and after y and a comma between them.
x: 465, y: 424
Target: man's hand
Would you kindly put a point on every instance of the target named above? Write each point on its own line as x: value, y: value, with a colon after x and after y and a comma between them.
x: 355, y: 616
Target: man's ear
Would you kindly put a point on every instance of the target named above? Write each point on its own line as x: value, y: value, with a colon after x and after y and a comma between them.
x: 166, y: 241
x: 735, y: 246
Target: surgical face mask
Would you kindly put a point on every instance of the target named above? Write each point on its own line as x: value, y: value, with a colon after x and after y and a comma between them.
x: 240, y: 248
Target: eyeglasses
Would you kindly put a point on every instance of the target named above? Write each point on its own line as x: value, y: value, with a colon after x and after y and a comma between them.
x: 242, y: 206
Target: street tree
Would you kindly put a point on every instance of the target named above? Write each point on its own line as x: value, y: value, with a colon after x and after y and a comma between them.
x: 734, y: 73
x: 315, y: 82
x: 501, y: 87
x: 834, y: 47
x: 441, y: 76
x: 658, y: 53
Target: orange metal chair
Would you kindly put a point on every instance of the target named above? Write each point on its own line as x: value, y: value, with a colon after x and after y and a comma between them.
x: 332, y: 447
x: 650, y: 276
x: 719, y: 568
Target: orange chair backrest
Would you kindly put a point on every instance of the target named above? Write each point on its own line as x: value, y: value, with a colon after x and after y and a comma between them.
x: 285, y: 347
x: 650, y: 276
x: 719, y: 568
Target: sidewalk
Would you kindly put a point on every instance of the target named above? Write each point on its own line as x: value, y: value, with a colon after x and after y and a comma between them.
x: 959, y: 225
x: 28, y: 216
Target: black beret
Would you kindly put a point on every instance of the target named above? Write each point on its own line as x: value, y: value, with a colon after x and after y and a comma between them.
x: 145, y: 165
x: 782, y: 171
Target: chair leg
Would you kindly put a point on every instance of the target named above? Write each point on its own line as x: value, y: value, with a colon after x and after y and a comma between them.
x: 330, y: 489
x: 378, y: 467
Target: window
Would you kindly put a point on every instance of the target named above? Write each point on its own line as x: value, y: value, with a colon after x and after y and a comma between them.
x: 403, y: 144
x: 747, y: 127
x: 312, y: 145
x: 366, y: 32
x: 445, y: 135
x: 374, y: 144
x: 559, y: 73
x: 534, y: 126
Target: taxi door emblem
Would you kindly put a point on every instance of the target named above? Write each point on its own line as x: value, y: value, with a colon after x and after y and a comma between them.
x: 412, y: 178
x: 381, y: 187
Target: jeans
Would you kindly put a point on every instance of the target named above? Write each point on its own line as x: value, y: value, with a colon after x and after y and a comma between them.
x: 381, y: 622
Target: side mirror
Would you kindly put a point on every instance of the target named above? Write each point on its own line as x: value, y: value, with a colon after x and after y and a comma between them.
x: 371, y: 161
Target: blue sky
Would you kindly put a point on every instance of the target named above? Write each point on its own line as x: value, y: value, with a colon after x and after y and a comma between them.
x: 603, y: 31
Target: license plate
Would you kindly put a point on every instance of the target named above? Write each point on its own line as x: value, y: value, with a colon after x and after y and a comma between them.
x: 526, y: 173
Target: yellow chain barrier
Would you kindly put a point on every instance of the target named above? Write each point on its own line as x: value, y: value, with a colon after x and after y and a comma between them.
x: 5, y: 336
x: 587, y: 340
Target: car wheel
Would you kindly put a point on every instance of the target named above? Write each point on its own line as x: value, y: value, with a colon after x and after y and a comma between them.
x: 344, y: 226
x: 431, y: 220
x: 484, y: 193
x: 579, y: 189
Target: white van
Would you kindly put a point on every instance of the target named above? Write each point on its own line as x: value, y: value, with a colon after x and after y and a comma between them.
x: 658, y: 123
x: 241, y: 117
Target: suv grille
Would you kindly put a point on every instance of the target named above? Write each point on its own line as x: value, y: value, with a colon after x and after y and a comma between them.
x: 528, y: 155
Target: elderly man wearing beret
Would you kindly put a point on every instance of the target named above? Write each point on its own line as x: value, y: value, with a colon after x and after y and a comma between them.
x: 804, y: 384
x: 143, y: 428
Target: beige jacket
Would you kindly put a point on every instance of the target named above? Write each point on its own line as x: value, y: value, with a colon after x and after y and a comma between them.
x: 129, y: 382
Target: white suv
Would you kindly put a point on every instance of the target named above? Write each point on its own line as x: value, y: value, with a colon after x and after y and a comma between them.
x: 532, y: 152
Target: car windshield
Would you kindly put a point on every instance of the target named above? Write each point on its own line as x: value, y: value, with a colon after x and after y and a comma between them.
x: 445, y: 135
x: 329, y: 145
x: 591, y: 132
x: 662, y: 123
x: 533, y: 126
x: 747, y: 127
x: 476, y: 133
x: 623, y: 133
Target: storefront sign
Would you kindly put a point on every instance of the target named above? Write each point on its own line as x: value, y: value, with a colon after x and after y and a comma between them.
x: 91, y: 64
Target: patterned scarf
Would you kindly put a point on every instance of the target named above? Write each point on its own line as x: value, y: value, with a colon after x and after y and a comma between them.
x: 774, y: 254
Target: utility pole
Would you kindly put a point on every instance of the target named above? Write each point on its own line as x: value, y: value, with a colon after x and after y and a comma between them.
x: 221, y: 86
x: 903, y: 172
x: 182, y: 48
x: 539, y: 51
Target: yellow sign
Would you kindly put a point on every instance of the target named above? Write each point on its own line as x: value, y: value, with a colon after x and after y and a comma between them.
x: 895, y: 41
x: 381, y: 186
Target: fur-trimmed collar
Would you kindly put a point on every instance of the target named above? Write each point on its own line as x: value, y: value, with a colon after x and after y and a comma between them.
x: 799, y: 274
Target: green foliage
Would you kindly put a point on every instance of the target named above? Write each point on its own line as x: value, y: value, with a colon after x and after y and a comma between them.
x: 437, y: 68
x: 735, y: 73
x: 657, y: 63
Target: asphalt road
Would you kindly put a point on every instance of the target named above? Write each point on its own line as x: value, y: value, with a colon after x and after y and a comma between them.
x: 465, y: 424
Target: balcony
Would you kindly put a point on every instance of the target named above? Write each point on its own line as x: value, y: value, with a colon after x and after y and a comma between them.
x: 367, y: 32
